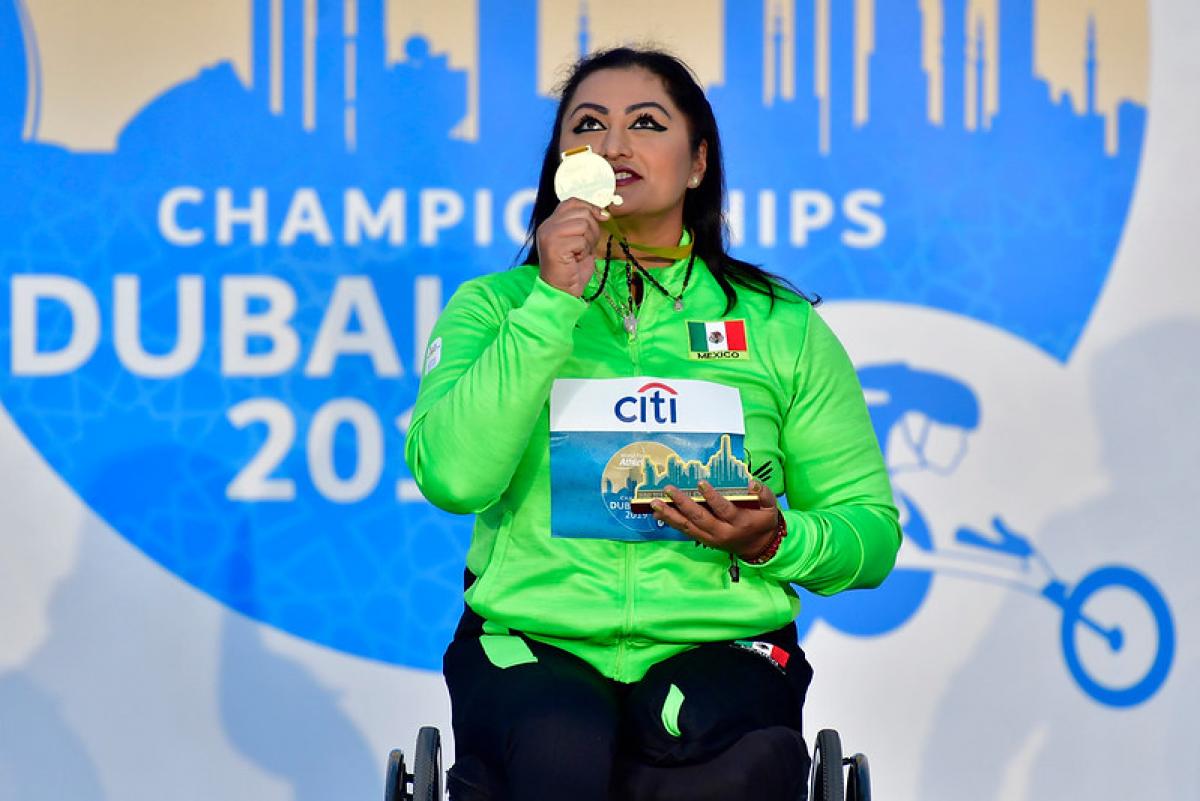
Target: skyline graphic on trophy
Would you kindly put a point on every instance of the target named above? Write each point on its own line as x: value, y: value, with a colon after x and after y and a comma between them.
x: 728, y: 475
x: 641, y: 471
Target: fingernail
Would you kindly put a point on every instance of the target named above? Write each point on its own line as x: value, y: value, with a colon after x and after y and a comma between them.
x: 656, y: 505
x: 704, y: 484
x: 604, y: 215
x: 755, y: 486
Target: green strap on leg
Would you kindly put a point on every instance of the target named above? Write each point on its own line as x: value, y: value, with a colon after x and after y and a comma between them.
x: 502, y: 649
x: 506, y: 650
x: 670, y: 711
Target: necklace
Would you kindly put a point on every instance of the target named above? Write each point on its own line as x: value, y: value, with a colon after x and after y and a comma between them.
x: 627, y: 314
x: 604, y: 275
x: 642, y: 271
x: 628, y: 311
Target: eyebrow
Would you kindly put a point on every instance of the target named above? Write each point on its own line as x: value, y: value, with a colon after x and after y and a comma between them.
x: 629, y: 109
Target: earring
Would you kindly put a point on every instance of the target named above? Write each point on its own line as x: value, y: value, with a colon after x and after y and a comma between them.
x: 694, y: 181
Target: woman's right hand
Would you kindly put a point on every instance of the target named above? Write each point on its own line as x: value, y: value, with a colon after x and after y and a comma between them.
x: 566, y: 243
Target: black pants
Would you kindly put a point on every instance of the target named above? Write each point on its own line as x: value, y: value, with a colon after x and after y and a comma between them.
x: 556, y: 728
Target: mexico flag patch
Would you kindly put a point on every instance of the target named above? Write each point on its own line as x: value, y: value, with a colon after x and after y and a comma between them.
x: 720, y: 340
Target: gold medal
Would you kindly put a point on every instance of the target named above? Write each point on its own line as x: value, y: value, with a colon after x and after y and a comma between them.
x: 584, y: 174
x: 587, y: 176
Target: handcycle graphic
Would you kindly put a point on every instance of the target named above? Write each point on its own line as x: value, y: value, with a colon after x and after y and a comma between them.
x: 1113, y: 617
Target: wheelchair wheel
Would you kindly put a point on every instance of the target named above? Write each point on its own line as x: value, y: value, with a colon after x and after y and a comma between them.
x: 427, y: 765
x: 827, y: 782
x: 395, y: 787
x: 858, y: 785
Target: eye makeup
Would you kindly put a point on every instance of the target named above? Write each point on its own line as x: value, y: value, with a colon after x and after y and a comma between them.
x: 648, y: 122
x: 588, y: 123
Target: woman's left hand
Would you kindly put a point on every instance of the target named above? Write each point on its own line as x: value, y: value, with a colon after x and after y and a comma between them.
x: 743, y: 531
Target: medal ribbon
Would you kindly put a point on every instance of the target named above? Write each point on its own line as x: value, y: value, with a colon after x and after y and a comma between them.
x: 672, y: 253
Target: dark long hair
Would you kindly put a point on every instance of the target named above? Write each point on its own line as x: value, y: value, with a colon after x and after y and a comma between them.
x: 702, y: 206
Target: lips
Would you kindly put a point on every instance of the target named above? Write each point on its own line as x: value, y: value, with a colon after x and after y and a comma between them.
x: 625, y: 175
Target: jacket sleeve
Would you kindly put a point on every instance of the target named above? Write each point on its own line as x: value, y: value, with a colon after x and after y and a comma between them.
x: 477, y: 406
x: 843, y: 530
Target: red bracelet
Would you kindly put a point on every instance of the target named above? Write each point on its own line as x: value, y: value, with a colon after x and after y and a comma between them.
x: 765, y: 555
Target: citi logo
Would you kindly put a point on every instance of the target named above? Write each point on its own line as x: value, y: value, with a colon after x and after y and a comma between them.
x: 649, y: 405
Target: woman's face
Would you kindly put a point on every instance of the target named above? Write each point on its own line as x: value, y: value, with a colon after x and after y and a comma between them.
x: 628, y: 118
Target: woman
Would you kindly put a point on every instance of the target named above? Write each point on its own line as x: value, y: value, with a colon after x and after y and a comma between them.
x: 581, y: 649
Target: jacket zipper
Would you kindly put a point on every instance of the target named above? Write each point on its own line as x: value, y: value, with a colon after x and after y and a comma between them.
x: 735, y: 571
x: 627, y: 627
x: 630, y: 554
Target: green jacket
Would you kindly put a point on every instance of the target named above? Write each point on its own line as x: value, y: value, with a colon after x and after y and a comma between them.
x: 479, y: 439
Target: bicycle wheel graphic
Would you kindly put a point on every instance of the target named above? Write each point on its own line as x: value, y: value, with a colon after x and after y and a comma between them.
x: 1099, y: 592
